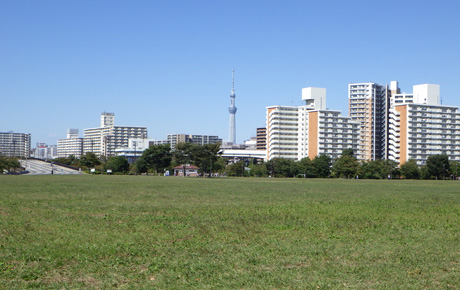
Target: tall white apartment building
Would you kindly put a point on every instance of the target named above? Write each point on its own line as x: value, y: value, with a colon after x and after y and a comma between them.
x: 309, y: 130
x: 72, y: 145
x: 15, y: 144
x: 419, y: 126
x: 417, y: 131
x: 368, y: 104
x: 282, y: 132
x: 104, y: 140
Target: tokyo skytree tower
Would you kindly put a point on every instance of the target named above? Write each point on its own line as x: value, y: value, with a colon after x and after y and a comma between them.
x: 232, y: 111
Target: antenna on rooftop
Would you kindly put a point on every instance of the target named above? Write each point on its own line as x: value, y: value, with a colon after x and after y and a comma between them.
x: 233, y: 79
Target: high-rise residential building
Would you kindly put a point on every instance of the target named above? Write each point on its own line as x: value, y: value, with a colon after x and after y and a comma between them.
x: 15, y: 144
x: 417, y: 131
x: 261, y: 138
x: 282, y: 128
x: 72, y: 145
x: 309, y: 130
x: 419, y: 126
x: 326, y: 132
x: 368, y: 104
x: 104, y: 140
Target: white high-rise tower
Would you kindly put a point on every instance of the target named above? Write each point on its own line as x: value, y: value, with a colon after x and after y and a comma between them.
x: 232, y: 111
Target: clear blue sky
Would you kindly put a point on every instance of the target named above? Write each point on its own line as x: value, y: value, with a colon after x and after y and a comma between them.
x: 167, y: 65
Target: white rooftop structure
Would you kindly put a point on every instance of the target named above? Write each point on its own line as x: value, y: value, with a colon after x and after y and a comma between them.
x: 427, y: 94
x: 315, y: 98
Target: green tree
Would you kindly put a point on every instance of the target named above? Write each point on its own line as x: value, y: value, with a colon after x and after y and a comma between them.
x: 9, y: 164
x: 156, y: 158
x: 236, y: 169
x: 322, y: 164
x: 438, y: 165
x: 117, y: 164
x: 346, y: 166
x: 204, y: 156
x: 305, y: 166
x: 62, y: 160
x: 371, y: 169
x: 219, y: 165
x: 141, y: 165
x: 182, y: 154
x: 454, y: 169
x: 89, y: 160
x: 410, y: 169
x: 281, y: 167
x: 258, y: 170
x: 347, y: 152
x: 390, y: 168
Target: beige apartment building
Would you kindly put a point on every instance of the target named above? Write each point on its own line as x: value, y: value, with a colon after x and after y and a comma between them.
x: 326, y: 132
x: 368, y: 105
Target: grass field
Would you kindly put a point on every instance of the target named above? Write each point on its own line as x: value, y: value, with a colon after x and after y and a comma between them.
x: 137, y: 232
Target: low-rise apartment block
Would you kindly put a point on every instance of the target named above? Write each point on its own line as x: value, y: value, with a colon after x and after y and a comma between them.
x: 175, y: 139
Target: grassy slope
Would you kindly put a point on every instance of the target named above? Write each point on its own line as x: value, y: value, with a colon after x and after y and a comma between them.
x: 144, y: 232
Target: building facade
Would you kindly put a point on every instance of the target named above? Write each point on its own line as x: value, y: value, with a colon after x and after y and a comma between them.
x: 309, y: 130
x: 368, y: 105
x: 44, y: 151
x: 417, y: 131
x: 261, y: 138
x: 174, y: 139
x: 326, y: 132
x: 15, y: 144
x: 104, y: 140
x: 72, y: 145
x: 282, y: 132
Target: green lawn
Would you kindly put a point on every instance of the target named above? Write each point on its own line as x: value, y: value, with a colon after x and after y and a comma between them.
x: 138, y: 232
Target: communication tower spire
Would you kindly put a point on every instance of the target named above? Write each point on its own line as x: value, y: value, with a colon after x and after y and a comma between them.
x: 232, y: 110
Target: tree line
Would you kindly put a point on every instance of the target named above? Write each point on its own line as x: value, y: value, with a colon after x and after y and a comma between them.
x: 159, y: 158
x: 156, y: 159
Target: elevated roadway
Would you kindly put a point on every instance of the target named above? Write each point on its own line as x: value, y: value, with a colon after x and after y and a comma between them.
x: 40, y: 167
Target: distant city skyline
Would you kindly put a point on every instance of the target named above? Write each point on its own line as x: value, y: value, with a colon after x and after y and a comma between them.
x: 166, y: 65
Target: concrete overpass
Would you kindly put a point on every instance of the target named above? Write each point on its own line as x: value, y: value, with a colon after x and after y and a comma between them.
x: 41, y: 167
x: 239, y: 153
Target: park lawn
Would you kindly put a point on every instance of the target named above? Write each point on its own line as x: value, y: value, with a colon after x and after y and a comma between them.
x: 140, y: 232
